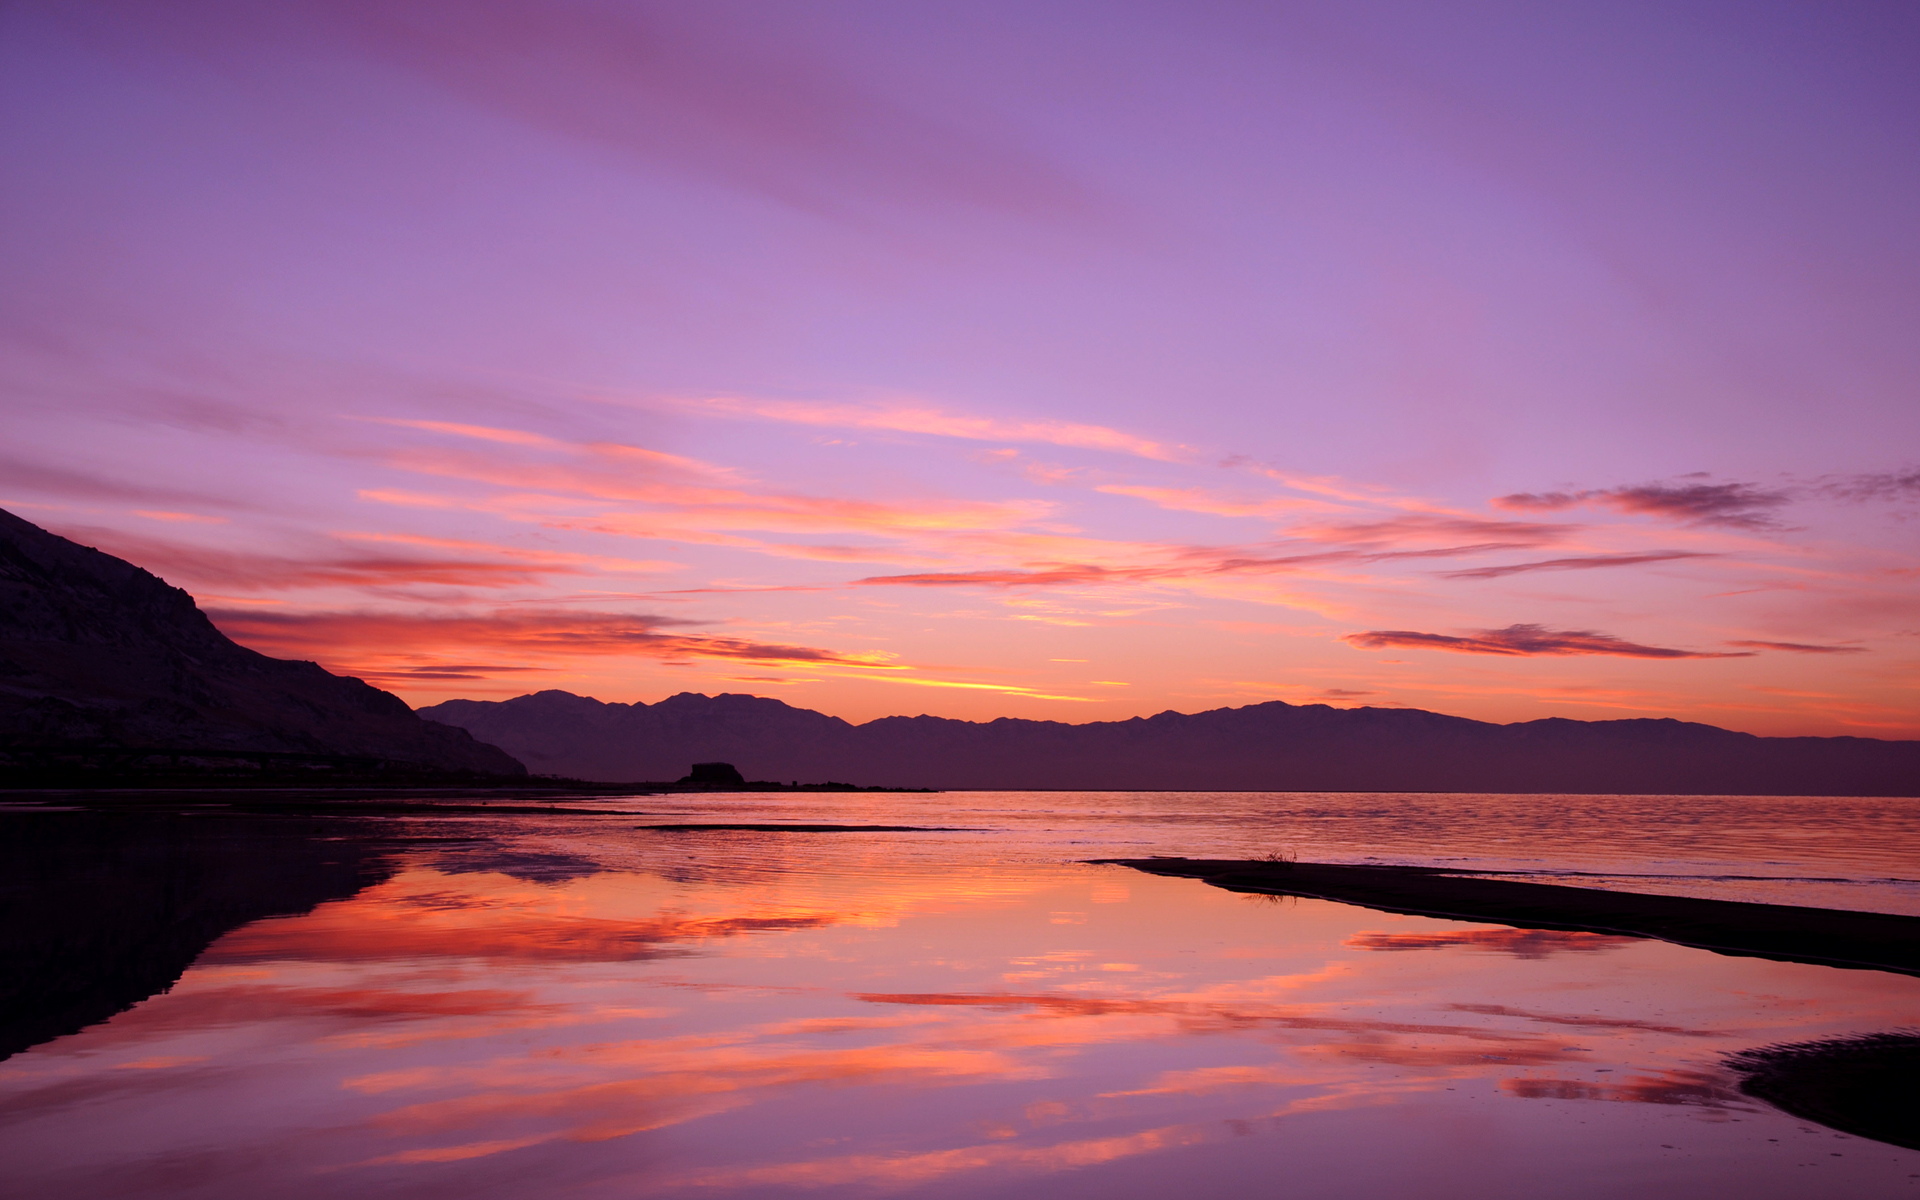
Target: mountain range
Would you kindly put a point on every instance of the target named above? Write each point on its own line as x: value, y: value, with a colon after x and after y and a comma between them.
x: 1260, y: 747
x: 102, y: 662
x: 99, y: 659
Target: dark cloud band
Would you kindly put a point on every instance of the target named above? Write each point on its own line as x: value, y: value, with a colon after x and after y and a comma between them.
x: 1728, y: 505
x: 1524, y: 641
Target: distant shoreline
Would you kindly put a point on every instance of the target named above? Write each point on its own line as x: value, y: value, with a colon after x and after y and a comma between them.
x: 1787, y: 933
x: 30, y: 786
x: 442, y: 800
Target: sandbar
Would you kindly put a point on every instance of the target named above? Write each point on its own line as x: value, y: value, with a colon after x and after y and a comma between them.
x: 1789, y: 933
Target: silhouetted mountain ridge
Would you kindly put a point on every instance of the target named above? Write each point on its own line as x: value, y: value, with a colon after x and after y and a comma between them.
x: 98, y: 656
x: 1260, y: 747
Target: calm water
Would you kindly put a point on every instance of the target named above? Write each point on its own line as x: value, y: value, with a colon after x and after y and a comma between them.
x: 1815, y: 850
x: 560, y: 1006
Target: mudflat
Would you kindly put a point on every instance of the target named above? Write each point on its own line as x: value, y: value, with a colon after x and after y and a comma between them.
x: 1826, y: 936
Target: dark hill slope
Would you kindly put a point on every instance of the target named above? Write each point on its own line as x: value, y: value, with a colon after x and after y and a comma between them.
x: 98, y: 655
x: 1262, y: 747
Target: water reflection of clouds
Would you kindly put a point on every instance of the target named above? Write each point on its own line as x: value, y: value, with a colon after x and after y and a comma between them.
x: 1521, y: 943
x: 795, y: 1037
x: 655, y: 1084
x: 414, y: 918
x: 1701, y: 1089
x: 1366, y: 1040
x: 906, y: 1170
x: 1585, y: 1020
x: 38, y: 1101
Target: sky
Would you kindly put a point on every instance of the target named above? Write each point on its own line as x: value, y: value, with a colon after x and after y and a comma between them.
x: 1051, y: 360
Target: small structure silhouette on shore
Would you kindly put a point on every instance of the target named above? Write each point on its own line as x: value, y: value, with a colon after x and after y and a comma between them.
x: 714, y: 772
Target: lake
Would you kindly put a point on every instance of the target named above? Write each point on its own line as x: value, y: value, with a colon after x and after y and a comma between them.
x: 568, y: 1004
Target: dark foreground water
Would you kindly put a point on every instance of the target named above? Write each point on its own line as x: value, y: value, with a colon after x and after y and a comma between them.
x: 573, y: 1006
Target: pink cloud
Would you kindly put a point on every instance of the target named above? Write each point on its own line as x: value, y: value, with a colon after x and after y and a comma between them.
x: 688, y: 501
x: 1172, y: 564
x: 693, y: 506
x: 1419, y: 527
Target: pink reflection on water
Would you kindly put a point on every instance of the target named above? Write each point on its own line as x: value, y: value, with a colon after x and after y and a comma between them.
x: 626, y: 1032
x: 1703, y: 1088
x: 1521, y: 943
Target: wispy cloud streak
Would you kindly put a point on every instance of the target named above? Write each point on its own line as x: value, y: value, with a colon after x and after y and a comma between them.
x: 914, y: 417
x: 1417, y: 527
x: 1882, y: 486
x: 389, y: 640
x: 1586, y: 563
x: 692, y: 91
x: 1799, y: 647
x: 424, y: 562
x: 1523, y: 641
x: 1727, y: 505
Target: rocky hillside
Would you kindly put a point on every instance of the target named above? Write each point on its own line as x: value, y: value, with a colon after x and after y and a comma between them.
x: 98, y: 656
x: 1262, y: 747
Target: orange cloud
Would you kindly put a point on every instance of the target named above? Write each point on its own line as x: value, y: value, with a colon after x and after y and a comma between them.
x: 1003, y: 688
x: 381, y: 645
x: 162, y: 515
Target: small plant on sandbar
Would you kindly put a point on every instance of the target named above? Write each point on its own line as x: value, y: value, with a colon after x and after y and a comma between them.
x: 1280, y: 858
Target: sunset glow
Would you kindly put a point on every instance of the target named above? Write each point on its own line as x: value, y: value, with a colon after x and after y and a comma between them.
x: 1065, y: 362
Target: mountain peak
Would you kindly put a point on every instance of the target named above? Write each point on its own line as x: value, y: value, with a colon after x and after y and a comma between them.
x: 1272, y: 746
x: 98, y: 655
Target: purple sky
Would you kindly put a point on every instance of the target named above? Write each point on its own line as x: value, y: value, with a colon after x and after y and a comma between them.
x: 1067, y: 361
